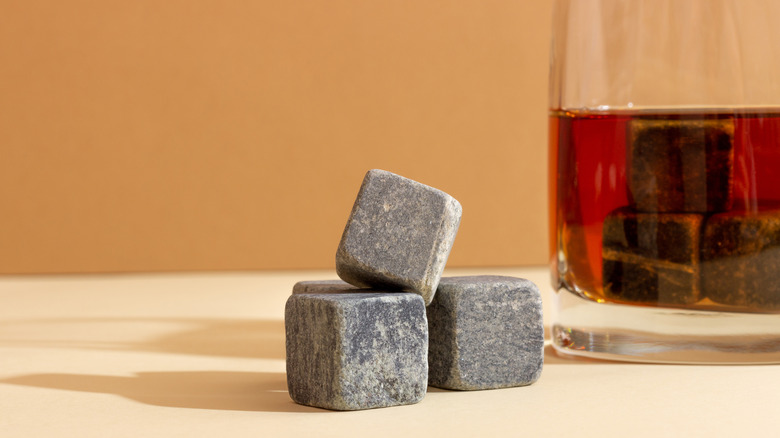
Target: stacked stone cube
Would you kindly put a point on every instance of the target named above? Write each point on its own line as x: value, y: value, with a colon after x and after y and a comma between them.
x: 680, y: 239
x: 652, y: 257
x: 370, y: 341
x: 398, y: 236
x: 741, y: 259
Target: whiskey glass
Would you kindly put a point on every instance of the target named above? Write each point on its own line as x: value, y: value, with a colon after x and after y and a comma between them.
x: 665, y: 180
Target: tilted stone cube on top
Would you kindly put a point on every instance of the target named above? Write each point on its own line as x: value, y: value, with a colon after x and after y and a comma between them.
x: 485, y: 332
x: 398, y: 236
x: 680, y: 166
x: 350, y: 351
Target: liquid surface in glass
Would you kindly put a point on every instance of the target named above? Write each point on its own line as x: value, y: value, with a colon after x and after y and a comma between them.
x: 670, y: 208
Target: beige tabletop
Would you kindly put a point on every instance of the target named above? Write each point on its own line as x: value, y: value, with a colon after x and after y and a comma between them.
x: 203, y: 355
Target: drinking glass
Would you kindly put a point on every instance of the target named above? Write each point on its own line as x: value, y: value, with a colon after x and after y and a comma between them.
x: 665, y: 180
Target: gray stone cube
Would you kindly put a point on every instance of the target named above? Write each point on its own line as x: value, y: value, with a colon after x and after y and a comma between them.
x: 680, y: 166
x: 356, y: 350
x: 740, y: 258
x: 398, y: 236
x: 651, y: 257
x: 485, y: 332
x: 324, y: 287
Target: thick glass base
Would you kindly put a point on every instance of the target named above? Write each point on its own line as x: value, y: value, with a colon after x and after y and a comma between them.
x: 652, y: 334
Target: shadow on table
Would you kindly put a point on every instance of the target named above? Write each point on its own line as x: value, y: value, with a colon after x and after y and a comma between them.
x: 227, y: 338
x: 241, y: 338
x: 216, y: 390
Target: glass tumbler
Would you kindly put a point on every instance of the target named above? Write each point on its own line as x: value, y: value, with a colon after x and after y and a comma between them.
x: 665, y: 180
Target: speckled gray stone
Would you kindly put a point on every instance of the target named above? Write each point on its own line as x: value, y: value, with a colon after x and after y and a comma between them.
x: 485, y: 332
x: 398, y: 236
x: 356, y: 350
x: 324, y: 287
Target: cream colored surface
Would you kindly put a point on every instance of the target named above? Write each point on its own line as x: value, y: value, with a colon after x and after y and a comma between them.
x: 155, y: 135
x: 203, y: 355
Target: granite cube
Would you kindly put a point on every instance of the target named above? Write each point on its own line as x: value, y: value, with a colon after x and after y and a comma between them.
x: 324, y: 287
x: 355, y: 351
x: 651, y: 258
x: 485, y: 332
x: 398, y: 235
x: 740, y: 258
x: 682, y: 166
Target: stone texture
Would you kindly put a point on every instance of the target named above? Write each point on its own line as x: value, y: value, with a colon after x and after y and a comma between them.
x: 485, y: 332
x: 741, y: 259
x: 398, y: 235
x: 651, y: 258
x: 680, y: 165
x: 324, y: 287
x: 356, y: 350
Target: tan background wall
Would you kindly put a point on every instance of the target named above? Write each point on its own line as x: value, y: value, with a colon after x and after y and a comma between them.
x: 210, y: 134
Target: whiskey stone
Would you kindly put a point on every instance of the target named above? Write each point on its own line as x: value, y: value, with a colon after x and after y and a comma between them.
x: 485, y: 332
x: 356, y: 350
x: 652, y: 258
x: 398, y: 235
x: 324, y: 287
x: 741, y: 259
x: 681, y: 165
